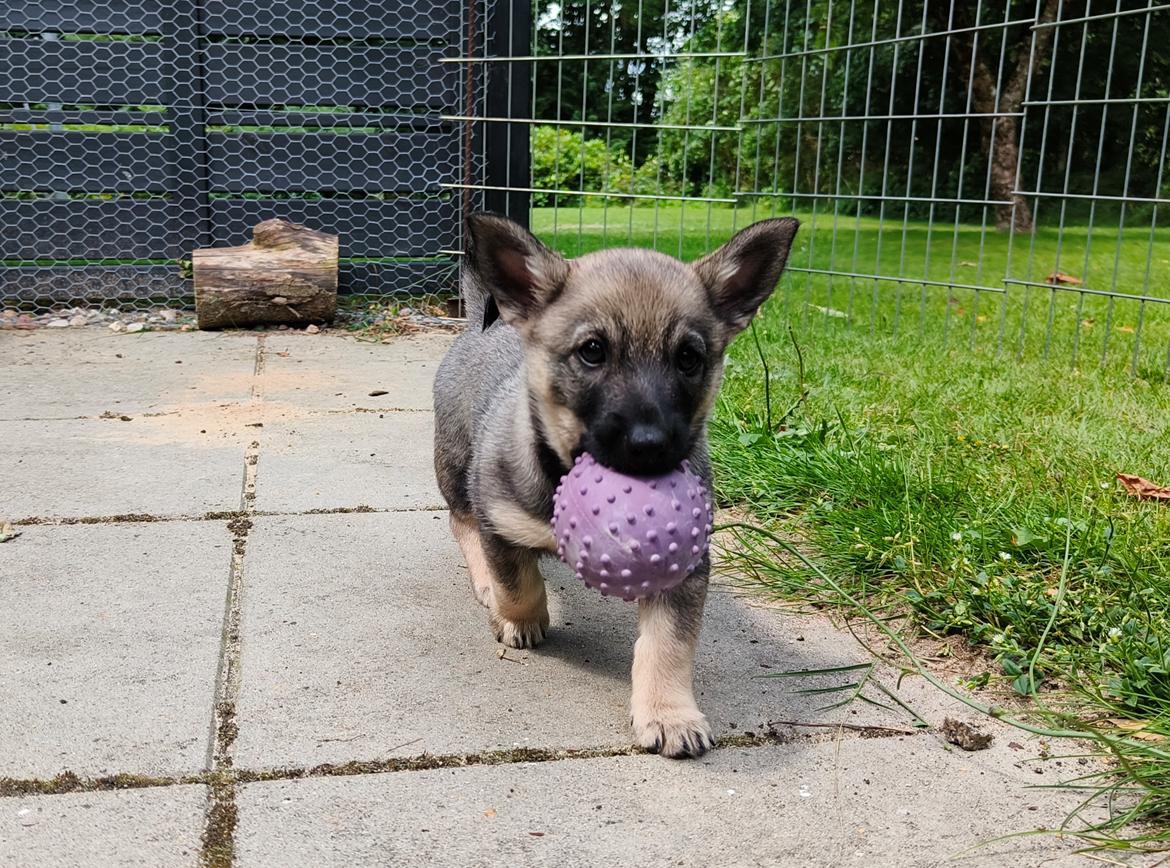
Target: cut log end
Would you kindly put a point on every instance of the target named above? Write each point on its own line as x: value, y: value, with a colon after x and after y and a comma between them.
x: 286, y: 275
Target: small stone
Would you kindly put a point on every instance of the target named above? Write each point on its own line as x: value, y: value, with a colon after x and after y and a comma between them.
x: 168, y: 315
x: 57, y: 323
x: 312, y: 330
x: 117, y: 326
x: 79, y: 320
x: 135, y: 327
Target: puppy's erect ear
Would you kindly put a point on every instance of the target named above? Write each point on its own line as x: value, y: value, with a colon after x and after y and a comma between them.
x: 741, y: 274
x: 521, y: 274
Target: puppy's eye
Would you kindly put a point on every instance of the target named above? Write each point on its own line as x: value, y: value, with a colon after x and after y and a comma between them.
x: 592, y: 353
x: 689, y: 361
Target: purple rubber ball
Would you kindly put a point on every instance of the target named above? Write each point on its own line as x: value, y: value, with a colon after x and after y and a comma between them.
x: 631, y: 536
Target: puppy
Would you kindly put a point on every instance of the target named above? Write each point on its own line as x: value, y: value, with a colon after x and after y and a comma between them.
x: 620, y: 354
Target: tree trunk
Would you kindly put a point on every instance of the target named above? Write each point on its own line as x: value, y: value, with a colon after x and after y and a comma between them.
x: 1005, y: 163
x: 286, y: 275
x: 1000, y: 107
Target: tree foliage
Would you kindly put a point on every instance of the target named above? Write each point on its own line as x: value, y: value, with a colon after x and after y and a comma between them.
x: 850, y: 101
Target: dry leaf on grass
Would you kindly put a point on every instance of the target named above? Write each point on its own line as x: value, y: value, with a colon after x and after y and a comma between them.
x: 1058, y: 278
x: 1143, y: 488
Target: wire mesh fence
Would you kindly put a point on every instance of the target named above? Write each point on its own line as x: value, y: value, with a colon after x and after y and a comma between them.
x: 986, y: 173
x: 132, y: 132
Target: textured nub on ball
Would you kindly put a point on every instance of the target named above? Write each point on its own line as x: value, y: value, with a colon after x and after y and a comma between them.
x: 630, y: 536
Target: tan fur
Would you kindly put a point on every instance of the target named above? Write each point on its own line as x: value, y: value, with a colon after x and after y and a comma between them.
x: 518, y: 527
x: 662, y: 705
x: 609, y: 287
x: 561, y: 424
x: 519, y: 619
x: 466, y: 532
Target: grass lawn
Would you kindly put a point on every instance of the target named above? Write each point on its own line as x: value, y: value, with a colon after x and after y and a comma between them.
x: 940, y: 472
x: 1027, y: 320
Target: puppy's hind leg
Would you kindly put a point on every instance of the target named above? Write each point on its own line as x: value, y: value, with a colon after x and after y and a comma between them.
x: 467, y: 534
x: 663, y: 711
x: 519, y: 606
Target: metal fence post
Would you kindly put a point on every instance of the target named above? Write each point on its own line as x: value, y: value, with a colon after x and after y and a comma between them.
x: 508, y: 95
x: 185, y: 38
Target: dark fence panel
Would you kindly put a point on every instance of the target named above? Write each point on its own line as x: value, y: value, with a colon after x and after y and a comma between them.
x: 82, y: 16
x: 372, y: 227
x: 89, y: 284
x: 359, y: 76
x: 132, y: 132
x: 385, y: 278
x: 87, y: 229
x: 104, y: 73
x: 80, y: 161
x: 343, y: 19
x: 311, y: 162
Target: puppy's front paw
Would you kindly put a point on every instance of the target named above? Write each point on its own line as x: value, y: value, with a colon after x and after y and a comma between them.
x: 676, y: 732
x: 519, y: 634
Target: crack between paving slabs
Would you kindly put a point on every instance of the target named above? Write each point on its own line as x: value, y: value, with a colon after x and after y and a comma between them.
x: 217, y: 848
x: 221, y: 515
x: 163, y: 413
x: 67, y: 782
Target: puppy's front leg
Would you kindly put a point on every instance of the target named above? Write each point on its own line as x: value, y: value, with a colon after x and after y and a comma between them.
x: 662, y: 708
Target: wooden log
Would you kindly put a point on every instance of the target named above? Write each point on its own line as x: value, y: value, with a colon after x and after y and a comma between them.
x: 286, y: 275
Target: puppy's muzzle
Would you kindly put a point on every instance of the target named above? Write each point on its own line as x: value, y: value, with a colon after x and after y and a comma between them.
x: 646, y: 442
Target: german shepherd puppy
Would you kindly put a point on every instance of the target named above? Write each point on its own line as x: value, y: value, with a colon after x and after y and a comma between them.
x: 620, y: 354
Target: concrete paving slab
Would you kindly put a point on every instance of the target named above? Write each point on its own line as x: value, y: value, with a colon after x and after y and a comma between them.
x: 888, y: 802
x: 183, y: 463
x: 329, y: 373
x: 361, y: 640
x: 109, y: 643
x: 381, y: 460
x: 159, y: 826
x: 87, y: 372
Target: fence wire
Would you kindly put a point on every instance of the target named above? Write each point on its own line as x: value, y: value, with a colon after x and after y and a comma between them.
x: 987, y: 174
x: 131, y: 133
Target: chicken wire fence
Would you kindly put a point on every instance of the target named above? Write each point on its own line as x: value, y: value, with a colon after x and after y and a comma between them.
x: 982, y: 173
x: 132, y: 131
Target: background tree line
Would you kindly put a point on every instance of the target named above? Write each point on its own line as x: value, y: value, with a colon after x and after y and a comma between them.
x: 937, y: 117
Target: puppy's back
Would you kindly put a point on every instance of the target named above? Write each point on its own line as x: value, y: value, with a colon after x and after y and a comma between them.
x: 478, y: 377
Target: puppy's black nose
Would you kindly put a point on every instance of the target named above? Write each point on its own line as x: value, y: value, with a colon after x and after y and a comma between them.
x: 646, y: 442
